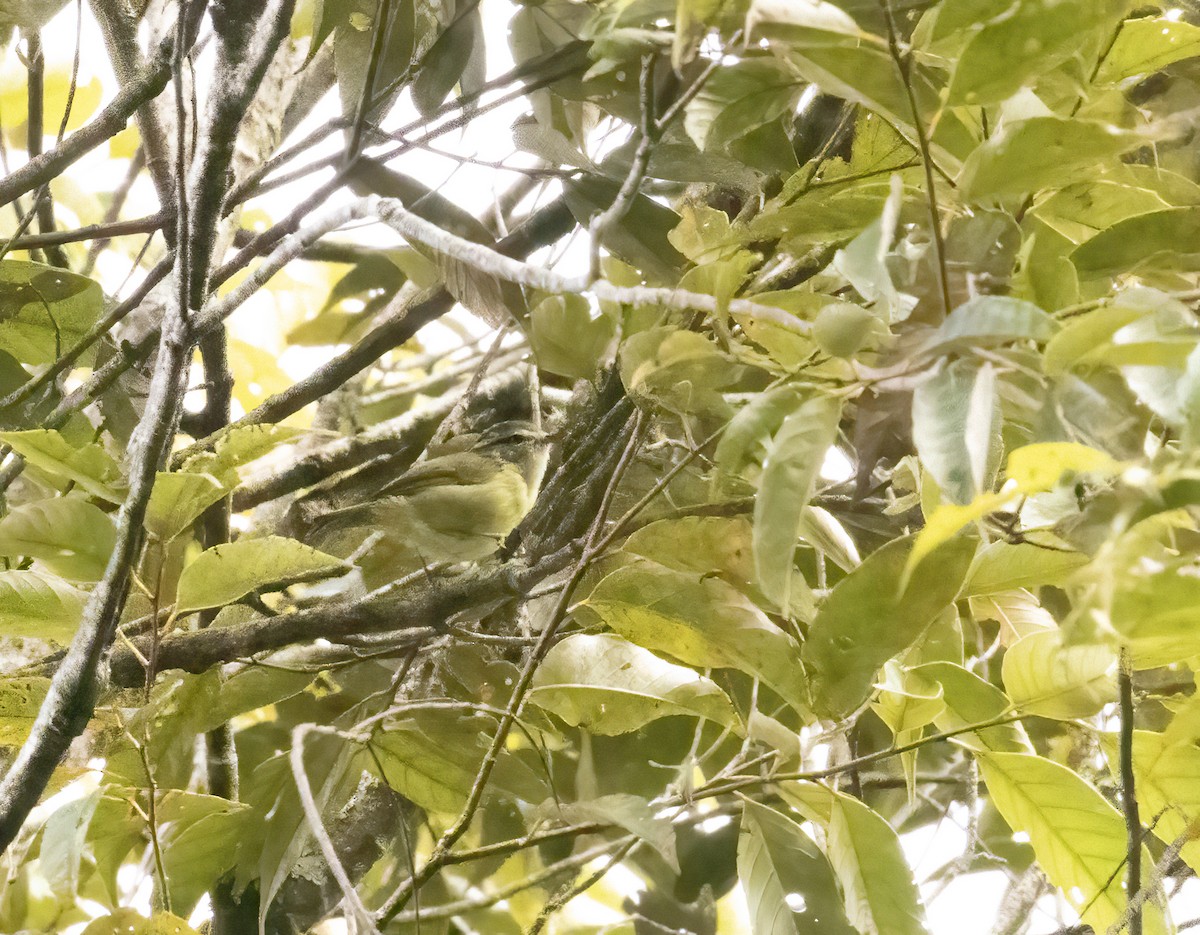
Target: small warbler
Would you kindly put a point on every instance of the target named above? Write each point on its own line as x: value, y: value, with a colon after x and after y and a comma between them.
x: 457, y: 505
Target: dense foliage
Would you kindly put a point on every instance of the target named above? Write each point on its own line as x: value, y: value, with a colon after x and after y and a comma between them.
x: 789, y: 464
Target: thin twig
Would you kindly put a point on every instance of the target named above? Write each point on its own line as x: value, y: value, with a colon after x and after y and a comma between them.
x: 904, y: 65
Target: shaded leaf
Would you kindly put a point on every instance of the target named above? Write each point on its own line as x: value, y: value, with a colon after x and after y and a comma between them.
x: 956, y: 428
x: 633, y: 813
x: 1159, y: 239
x: 44, y: 310
x: 793, y: 461
x: 778, y: 861
x: 567, y: 339
x: 198, y: 836
x: 868, y: 618
x: 20, y: 700
x: 737, y: 99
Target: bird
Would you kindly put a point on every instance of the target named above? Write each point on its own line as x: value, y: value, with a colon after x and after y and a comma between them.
x: 457, y: 505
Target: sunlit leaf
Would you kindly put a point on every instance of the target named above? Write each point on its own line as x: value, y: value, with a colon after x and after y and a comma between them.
x: 1078, y: 837
x: 1033, y: 38
x: 178, y: 500
x: 1038, y: 153
x: 1044, y: 677
x: 225, y: 573
x: 89, y: 466
x: 700, y: 621
x: 39, y: 605
x: 68, y: 535
x: 610, y: 686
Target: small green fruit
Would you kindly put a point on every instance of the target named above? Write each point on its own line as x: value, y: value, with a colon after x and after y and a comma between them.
x: 843, y: 329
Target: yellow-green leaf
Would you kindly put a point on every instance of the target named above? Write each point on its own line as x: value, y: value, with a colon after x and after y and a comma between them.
x: 610, y: 686
x: 1045, y: 677
x: 1078, y: 837
x: 225, y: 573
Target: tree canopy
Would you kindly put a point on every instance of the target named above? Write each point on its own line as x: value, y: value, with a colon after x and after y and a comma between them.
x: 599, y: 466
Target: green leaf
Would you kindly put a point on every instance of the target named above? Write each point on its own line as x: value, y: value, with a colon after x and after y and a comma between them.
x: 798, y: 22
x: 39, y: 605
x: 631, y: 812
x: 238, y: 448
x: 1045, y: 465
x: 1043, y: 676
x: 1030, y: 39
x: 434, y: 759
x: 44, y: 310
x: 115, y: 830
x: 1159, y: 239
x: 956, y: 428
x: 1165, y: 781
x: 448, y: 59
x: 881, y: 895
x: 1078, y: 837
x: 994, y: 319
x: 68, y: 535
x: 1147, y: 45
x: 793, y: 462
x: 1079, y: 212
x: 947, y: 519
x: 1082, y: 341
x: 225, y: 573
x: 971, y: 700
x: 868, y: 619
x: 777, y: 860
x: 63, y: 842
x: 745, y: 439
x: 1018, y: 613
x: 1005, y: 566
x: 739, y: 98
x: 642, y: 237
x: 607, y: 685
x: 701, y: 621
x: 680, y: 370
x: 352, y: 50
x: 21, y: 698
x: 1040, y: 152
x: 567, y: 339
x: 907, y: 699
x: 88, y: 466
x: 178, y: 500
x: 1155, y: 611
x: 198, y: 836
